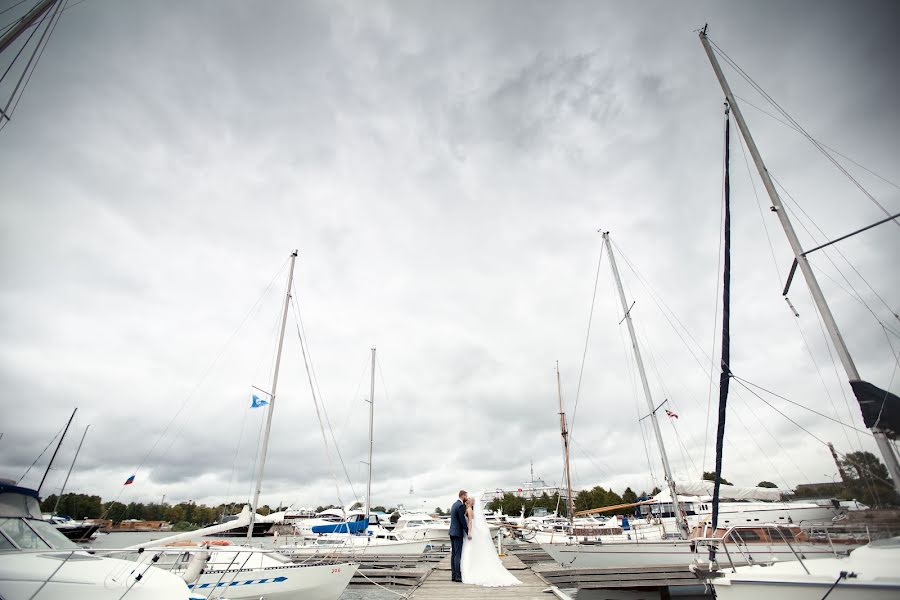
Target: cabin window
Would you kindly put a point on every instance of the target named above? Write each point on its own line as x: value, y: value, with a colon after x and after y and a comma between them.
x: 22, y: 535
x: 5, y: 544
x: 748, y: 535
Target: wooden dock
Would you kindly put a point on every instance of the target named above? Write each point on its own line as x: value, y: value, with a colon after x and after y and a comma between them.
x: 659, y: 577
x: 438, y: 586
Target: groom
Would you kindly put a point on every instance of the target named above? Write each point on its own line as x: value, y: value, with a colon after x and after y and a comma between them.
x: 458, y: 528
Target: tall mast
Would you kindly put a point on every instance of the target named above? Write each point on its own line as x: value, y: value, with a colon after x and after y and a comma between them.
x: 265, y: 443
x: 565, y: 439
x: 725, y: 359
x: 72, y: 466
x: 52, y: 458
x: 679, y: 517
x: 371, y: 431
x: 25, y: 22
x: 884, y: 444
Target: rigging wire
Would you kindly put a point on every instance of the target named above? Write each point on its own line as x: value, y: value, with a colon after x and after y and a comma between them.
x: 657, y: 300
x: 587, y: 338
x: 685, y: 455
x: 42, y: 44
x: 315, y: 380
x: 312, y: 389
x: 9, y: 8
x: 767, y: 403
x: 746, y: 382
x: 841, y: 254
x: 35, y: 28
x: 778, y: 272
x: 844, y: 156
x: 28, y: 470
x: 207, y: 372
x: 800, y: 129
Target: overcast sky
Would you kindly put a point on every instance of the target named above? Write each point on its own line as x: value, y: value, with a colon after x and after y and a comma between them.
x: 443, y: 169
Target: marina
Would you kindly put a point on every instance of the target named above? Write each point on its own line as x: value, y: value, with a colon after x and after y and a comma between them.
x: 285, y: 262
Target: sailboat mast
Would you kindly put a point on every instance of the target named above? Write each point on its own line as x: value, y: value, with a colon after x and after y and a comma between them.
x: 884, y: 444
x: 265, y: 442
x: 679, y: 517
x: 371, y: 431
x: 52, y: 458
x: 725, y: 374
x: 72, y: 466
x: 565, y: 439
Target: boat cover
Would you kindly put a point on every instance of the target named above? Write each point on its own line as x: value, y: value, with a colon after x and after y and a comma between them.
x: 351, y: 527
x: 705, y: 488
x: 880, y: 409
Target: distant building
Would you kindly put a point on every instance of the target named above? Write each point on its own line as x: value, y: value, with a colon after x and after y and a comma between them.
x: 529, y: 490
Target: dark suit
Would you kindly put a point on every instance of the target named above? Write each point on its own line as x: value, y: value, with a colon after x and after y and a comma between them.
x: 459, y: 527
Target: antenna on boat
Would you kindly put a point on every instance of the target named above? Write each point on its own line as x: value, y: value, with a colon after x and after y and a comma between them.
x: 265, y: 443
x: 50, y: 464
x: 679, y: 517
x: 866, y: 394
x: 72, y: 466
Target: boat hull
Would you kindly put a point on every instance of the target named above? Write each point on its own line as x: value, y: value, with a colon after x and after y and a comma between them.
x: 81, y: 576
x: 600, y: 556
x: 310, y: 582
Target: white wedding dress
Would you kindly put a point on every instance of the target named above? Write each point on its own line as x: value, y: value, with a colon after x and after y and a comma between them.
x: 480, y: 564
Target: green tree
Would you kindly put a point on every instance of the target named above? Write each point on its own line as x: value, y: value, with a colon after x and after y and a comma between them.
x: 711, y: 476
x: 867, y: 479
x: 655, y: 491
x: 439, y: 511
x: 115, y: 511
x: 766, y: 484
x: 628, y: 496
x: 379, y: 509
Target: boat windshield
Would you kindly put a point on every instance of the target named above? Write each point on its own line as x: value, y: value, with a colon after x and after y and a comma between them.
x: 31, y: 534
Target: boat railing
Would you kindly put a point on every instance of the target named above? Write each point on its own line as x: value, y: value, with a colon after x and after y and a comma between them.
x: 732, y: 537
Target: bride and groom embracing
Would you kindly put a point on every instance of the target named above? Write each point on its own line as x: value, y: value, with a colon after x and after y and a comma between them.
x: 473, y: 558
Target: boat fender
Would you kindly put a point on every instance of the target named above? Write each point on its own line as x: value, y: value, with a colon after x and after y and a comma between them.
x: 196, y: 567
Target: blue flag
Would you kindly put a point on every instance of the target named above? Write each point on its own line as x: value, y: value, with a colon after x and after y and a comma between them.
x: 257, y: 402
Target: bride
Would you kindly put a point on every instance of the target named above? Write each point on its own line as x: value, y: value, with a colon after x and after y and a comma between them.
x: 480, y: 564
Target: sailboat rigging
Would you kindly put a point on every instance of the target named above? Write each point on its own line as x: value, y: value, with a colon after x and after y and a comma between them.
x: 880, y: 408
x: 670, y: 480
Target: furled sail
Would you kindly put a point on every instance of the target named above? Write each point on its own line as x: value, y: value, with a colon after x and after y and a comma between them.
x: 880, y: 409
x: 705, y: 488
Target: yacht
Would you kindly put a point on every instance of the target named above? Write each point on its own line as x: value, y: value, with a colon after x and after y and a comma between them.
x: 868, y: 573
x: 37, y: 561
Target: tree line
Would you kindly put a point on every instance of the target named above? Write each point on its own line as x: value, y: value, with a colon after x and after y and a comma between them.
x: 84, y: 506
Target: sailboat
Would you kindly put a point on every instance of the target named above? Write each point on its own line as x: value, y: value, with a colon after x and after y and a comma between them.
x: 672, y: 516
x: 357, y: 532
x: 869, y: 572
x: 242, y: 572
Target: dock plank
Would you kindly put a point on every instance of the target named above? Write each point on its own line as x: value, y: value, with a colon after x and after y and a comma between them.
x: 438, y: 586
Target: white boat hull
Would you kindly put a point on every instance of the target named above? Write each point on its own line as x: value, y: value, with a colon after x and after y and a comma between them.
x: 679, y: 552
x: 313, y: 582
x: 83, y: 577
x: 389, y: 549
x: 873, y: 573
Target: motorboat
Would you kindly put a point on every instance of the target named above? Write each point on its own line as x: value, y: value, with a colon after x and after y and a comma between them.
x: 37, y: 561
x: 77, y: 531
x: 868, y: 573
x: 422, y: 527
